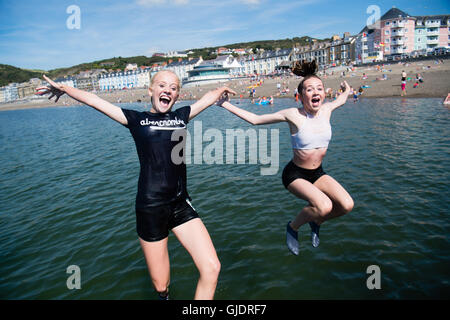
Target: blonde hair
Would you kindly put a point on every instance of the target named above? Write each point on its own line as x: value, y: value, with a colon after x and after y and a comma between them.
x: 152, y: 79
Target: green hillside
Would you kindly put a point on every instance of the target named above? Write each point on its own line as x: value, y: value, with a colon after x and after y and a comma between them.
x: 10, y: 74
x: 207, y: 53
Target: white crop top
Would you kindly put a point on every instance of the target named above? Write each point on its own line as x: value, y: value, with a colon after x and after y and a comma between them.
x: 314, y: 133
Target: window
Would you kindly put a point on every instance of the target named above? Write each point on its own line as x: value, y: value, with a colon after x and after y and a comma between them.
x: 387, y: 40
x: 387, y: 32
x: 387, y: 23
x: 406, y: 29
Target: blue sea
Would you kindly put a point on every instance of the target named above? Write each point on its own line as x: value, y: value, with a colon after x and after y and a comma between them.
x: 69, y: 178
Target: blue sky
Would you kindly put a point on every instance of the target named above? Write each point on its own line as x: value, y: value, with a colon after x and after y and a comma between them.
x: 33, y: 34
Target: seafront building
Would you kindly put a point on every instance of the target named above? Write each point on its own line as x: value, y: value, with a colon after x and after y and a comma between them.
x: 205, y: 73
x: 420, y: 36
x: 25, y: 89
x: 182, y: 67
x: 365, y: 50
x: 264, y: 62
x: 233, y: 65
x: 68, y: 81
x: 337, y: 51
x: 9, y: 93
x: 2, y: 95
x: 434, y: 32
x: 393, y: 34
x: 399, y: 33
x: 124, y: 80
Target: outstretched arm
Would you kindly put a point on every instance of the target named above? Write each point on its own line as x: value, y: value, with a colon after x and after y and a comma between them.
x: 250, y: 117
x: 207, y: 100
x: 342, y: 97
x: 112, y: 111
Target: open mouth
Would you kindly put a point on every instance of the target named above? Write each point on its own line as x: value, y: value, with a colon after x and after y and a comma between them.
x: 165, y: 100
x: 315, y: 101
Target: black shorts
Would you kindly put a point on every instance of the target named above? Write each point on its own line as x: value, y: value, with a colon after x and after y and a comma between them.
x: 153, y: 224
x: 292, y: 172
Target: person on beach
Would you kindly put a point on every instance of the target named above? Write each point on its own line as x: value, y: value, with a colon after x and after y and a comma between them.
x: 403, y: 88
x: 447, y: 100
x: 162, y: 198
x: 418, y: 80
x: 310, y: 131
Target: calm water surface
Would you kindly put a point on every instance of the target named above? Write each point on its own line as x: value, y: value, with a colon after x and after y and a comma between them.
x: 68, y: 179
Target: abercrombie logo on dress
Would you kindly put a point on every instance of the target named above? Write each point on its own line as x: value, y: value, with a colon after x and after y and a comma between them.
x: 172, y: 124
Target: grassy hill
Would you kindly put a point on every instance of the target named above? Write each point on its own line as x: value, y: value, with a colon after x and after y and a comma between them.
x: 207, y: 53
x: 10, y: 74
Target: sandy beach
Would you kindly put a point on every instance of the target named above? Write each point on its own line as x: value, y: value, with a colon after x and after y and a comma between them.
x: 436, y: 84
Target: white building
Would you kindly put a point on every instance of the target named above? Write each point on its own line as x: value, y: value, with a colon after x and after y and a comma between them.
x: 9, y: 93
x: 143, y: 78
x: 124, y: 80
x: 182, y: 67
x: 228, y: 61
x: 69, y: 81
x: 176, y: 54
x: 265, y: 62
x: 131, y: 67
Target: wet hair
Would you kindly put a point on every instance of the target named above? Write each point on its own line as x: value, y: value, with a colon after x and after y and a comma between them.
x: 305, y: 69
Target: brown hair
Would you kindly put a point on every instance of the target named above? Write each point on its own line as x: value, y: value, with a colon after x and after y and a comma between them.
x: 305, y: 69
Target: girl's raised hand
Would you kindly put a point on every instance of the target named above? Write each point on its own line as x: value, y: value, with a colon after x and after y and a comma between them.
x: 223, y: 98
x: 345, y: 87
x: 53, y: 88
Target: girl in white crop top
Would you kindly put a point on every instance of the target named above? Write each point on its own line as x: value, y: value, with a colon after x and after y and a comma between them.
x: 303, y: 176
x: 314, y: 133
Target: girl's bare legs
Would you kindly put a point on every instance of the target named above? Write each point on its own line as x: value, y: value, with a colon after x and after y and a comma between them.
x: 327, y: 200
x: 157, y: 258
x: 342, y: 201
x: 195, y: 238
x: 319, y: 203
